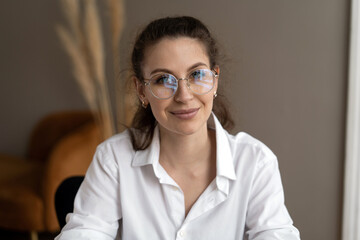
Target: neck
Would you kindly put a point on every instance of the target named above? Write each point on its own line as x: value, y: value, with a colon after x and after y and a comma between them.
x: 187, y: 153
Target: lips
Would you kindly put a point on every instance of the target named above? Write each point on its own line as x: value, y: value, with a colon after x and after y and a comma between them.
x: 185, y: 113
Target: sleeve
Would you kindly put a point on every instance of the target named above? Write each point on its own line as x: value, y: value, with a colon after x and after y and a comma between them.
x: 267, y: 216
x: 97, y: 207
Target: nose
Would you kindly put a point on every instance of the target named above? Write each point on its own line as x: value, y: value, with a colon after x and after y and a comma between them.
x: 183, y: 92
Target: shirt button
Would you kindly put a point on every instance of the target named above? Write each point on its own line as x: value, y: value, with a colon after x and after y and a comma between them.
x: 182, y: 233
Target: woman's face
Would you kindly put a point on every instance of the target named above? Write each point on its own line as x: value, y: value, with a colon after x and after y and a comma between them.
x: 186, y: 112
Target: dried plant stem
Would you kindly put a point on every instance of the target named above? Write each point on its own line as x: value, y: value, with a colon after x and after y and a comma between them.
x: 79, y: 67
x: 116, y: 8
x: 86, y: 49
x: 72, y: 14
x: 96, y: 51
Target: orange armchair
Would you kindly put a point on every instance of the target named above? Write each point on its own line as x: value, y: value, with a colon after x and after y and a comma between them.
x: 61, y: 145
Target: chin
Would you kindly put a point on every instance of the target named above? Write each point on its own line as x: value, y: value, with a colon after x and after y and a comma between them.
x: 185, y: 129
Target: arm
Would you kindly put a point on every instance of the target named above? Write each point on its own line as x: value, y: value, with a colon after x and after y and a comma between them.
x: 97, y: 208
x: 267, y: 216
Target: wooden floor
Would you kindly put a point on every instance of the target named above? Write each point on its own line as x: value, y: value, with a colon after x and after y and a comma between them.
x: 12, y: 235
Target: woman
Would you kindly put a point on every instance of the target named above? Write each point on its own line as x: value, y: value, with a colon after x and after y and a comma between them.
x: 177, y: 173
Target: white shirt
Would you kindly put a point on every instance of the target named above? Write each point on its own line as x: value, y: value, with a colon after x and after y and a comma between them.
x: 127, y: 194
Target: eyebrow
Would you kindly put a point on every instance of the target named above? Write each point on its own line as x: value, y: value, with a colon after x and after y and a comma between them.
x: 198, y: 64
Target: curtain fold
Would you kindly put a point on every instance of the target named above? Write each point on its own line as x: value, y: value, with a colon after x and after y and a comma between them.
x: 351, y: 208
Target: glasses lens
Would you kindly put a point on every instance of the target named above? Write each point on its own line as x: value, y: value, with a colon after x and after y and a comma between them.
x: 201, y: 81
x: 163, y: 86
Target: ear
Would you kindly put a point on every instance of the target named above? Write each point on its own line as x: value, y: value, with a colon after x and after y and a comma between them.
x: 140, y: 88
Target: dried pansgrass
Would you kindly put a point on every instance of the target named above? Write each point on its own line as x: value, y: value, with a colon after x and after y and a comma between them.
x: 80, y: 67
x: 83, y: 41
x: 124, y: 98
x: 116, y: 14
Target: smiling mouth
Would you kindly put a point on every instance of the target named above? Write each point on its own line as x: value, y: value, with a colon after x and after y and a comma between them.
x: 186, y: 113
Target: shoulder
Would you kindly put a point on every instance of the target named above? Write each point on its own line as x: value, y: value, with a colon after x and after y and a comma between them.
x: 116, y: 147
x: 245, y: 146
x: 120, y: 138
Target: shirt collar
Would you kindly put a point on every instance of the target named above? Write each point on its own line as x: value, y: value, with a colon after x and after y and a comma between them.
x: 149, y: 155
x: 224, y: 159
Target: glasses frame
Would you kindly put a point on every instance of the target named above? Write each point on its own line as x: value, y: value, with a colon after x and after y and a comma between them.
x: 147, y: 83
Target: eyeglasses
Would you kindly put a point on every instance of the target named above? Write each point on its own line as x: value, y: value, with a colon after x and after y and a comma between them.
x: 164, y: 85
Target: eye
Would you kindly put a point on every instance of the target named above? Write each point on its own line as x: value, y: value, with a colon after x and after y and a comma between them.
x: 170, y: 80
x: 198, y: 74
x: 165, y: 80
x: 161, y: 79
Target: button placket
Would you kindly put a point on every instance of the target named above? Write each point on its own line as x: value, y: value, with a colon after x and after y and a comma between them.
x: 174, y: 196
x: 176, y: 204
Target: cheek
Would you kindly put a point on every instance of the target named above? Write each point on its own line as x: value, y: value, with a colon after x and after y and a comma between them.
x: 158, y: 108
x: 208, y: 101
x: 148, y: 94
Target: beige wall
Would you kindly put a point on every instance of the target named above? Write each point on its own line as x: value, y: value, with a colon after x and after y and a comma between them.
x: 34, y: 73
x: 285, y: 74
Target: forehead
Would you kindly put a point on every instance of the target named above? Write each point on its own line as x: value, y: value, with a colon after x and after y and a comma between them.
x: 175, y: 54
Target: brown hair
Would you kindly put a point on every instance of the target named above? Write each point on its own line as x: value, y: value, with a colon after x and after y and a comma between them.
x: 144, y: 122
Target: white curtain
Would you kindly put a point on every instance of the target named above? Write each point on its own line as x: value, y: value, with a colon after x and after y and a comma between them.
x: 351, y: 213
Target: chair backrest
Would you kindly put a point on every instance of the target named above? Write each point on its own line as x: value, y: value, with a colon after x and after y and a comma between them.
x: 64, y: 197
x: 50, y: 129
